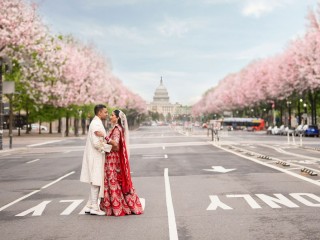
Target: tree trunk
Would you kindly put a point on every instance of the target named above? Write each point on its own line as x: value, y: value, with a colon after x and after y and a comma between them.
x: 59, y: 125
x: 281, y: 115
x: 27, y: 120
x: 75, y: 123
x: 299, y: 113
x: 83, y: 125
x: 39, y: 127
x: 67, y: 125
x: 50, y: 128
x: 313, y: 107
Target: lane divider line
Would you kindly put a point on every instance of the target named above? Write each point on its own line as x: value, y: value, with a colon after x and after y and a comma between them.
x: 39, y: 144
x: 34, y: 192
x: 173, y: 234
x: 35, y: 160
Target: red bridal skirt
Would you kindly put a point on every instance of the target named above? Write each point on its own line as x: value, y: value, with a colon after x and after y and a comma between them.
x: 115, y: 202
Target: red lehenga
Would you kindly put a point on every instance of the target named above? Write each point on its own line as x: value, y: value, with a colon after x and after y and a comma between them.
x: 120, y: 197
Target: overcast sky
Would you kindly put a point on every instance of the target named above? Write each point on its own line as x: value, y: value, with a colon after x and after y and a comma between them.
x: 192, y: 44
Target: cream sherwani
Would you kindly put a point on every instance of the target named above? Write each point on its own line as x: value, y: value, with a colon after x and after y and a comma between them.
x: 94, y: 158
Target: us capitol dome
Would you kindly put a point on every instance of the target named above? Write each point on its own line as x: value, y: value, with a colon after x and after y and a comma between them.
x: 162, y: 105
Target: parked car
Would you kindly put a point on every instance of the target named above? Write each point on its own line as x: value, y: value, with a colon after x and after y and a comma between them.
x: 312, y: 130
x: 35, y: 127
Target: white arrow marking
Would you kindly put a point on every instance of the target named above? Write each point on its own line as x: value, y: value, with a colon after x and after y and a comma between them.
x: 219, y: 169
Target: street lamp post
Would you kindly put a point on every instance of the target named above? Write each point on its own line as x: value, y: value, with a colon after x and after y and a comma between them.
x: 8, y: 88
x: 1, y: 106
x: 299, y: 111
x: 305, y: 113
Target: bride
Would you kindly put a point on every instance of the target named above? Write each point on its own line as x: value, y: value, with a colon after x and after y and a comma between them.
x: 120, y: 197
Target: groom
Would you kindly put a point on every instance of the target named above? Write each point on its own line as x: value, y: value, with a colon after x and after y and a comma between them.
x: 92, y: 171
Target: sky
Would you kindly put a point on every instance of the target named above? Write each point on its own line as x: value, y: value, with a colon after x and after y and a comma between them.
x: 192, y: 44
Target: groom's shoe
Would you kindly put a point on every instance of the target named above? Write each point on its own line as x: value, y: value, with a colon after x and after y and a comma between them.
x: 87, y: 209
x: 97, y: 211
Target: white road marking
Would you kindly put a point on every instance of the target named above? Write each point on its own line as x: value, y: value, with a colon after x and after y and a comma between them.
x: 178, y: 144
x: 18, y: 200
x: 219, y: 169
x: 34, y: 192
x: 215, y: 203
x: 289, y: 153
x: 35, y: 160
x: 272, y: 201
x: 165, y: 156
x: 252, y: 203
x: 39, y: 144
x: 271, y: 166
x: 306, y: 202
x: 296, y: 168
x: 173, y: 234
x: 153, y: 156
x: 163, y: 147
x: 37, y: 210
x: 59, y: 179
x: 74, y: 204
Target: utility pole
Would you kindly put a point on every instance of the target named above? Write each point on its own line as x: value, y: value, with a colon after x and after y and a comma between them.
x: 1, y: 104
x: 5, y: 66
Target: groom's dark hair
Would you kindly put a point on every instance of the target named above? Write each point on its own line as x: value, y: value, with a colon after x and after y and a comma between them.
x: 98, y: 108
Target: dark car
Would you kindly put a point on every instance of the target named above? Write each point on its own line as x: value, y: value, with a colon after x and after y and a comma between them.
x: 312, y: 130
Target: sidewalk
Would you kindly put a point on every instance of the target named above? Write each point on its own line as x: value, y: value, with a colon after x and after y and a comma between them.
x: 25, y: 140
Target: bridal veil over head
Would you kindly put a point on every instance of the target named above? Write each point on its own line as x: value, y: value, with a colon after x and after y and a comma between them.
x: 124, y: 124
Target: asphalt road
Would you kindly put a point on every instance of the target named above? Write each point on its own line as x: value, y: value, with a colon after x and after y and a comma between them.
x: 245, y: 186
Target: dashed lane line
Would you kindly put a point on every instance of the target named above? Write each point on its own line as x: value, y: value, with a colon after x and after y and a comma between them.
x: 40, y: 144
x: 176, y: 144
x: 32, y: 161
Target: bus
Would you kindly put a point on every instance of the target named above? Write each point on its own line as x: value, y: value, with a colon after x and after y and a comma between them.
x: 250, y: 124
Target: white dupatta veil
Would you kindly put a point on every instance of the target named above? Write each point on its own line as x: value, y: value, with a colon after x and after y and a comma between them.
x: 125, y: 127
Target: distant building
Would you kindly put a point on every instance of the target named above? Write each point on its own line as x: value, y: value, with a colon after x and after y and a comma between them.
x: 162, y: 105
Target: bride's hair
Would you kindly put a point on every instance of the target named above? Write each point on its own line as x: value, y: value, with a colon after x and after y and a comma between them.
x: 117, y: 113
